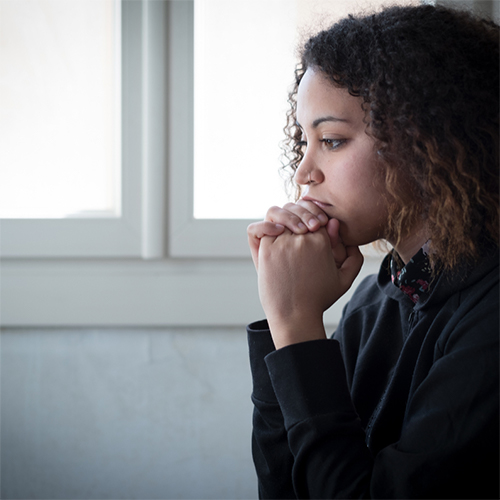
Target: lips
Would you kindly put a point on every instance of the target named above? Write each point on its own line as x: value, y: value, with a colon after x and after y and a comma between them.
x: 320, y: 204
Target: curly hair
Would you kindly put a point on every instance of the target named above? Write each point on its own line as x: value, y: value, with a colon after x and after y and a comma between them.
x: 428, y: 80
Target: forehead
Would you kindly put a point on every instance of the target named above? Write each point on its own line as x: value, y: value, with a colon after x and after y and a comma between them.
x: 318, y: 97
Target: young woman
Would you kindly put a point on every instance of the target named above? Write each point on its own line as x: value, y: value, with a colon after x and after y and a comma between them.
x: 392, y: 134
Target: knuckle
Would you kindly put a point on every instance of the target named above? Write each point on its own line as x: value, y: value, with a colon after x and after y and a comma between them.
x: 310, y: 207
x: 272, y: 211
x: 255, y: 228
x: 304, y: 202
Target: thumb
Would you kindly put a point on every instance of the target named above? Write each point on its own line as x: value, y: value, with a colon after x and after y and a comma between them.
x: 338, y: 248
x: 351, y: 266
x: 332, y: 228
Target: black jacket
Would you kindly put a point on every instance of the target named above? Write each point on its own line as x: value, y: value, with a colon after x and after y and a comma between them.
x: 401, y: 403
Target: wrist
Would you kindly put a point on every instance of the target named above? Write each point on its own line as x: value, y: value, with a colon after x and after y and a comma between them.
x: 292, y: 331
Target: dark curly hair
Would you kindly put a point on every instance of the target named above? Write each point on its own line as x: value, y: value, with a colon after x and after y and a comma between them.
x: 428, y: 79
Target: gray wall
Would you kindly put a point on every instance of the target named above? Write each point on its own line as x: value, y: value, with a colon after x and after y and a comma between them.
x: 105, y: 413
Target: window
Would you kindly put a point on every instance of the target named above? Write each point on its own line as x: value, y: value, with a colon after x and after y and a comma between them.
x: 243, y: 64
x: 126, y: 220
x: 155, y: 264
x: 61, y: 109
x: 240, y: 55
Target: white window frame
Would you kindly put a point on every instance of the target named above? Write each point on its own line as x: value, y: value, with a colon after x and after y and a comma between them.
x: 86, y: 272
x: 190, y: 237
x: 139, y: 271
x: 133, y: 233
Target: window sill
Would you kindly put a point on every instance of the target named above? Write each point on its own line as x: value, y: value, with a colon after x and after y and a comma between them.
x: 133, y: 292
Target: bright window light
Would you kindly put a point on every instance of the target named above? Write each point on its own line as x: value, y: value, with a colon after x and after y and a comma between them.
x: 244, y: 63
x: 59, y: 108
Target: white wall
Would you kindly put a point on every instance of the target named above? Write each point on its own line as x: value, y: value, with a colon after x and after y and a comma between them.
x: 115, y: 414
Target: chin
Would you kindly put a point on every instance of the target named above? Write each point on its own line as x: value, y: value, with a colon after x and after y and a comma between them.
x: 350, y: 240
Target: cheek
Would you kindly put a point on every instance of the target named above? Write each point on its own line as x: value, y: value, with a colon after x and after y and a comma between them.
x: 363, y: 195
x: 364, y: 175
x: 356, y: 184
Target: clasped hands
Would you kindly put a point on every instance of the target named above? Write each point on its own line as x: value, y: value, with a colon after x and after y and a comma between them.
x: 303, y: 268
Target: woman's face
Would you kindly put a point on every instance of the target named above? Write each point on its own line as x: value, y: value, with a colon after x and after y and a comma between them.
x: 339, y: 167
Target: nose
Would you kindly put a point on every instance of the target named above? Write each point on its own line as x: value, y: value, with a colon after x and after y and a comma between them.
x: 308, y: 171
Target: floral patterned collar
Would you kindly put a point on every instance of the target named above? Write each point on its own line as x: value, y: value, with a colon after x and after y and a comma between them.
x: 414, y: 278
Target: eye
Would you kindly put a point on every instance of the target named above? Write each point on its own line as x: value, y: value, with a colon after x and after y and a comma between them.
x: 333, y: 144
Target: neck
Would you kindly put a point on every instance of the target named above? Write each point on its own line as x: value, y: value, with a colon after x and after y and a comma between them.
x: 411, y: 245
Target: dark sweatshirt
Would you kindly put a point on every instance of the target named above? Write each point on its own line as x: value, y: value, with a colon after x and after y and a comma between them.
x: 402, y: 402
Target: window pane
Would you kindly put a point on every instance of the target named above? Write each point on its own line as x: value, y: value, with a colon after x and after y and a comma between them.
x: 59, y: 108
x: 244, y: 62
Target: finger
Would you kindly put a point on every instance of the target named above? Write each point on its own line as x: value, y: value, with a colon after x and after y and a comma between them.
x: 350, y: 267
x: 332, y: 228
x: 258, y: 230
x: 338, y: 248
x: 264, y: 228
x: 295, y: 217
x: 312, y: 216
x: 315, y: 210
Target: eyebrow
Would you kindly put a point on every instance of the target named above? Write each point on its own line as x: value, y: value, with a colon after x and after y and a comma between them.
x: 316, y: 122
x: 323, y: 119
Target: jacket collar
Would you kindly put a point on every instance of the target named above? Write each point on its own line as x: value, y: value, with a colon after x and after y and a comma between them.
x: 446, y: 284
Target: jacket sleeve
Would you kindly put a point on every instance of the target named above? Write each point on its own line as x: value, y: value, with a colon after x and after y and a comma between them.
x: 331, y: 459
x: 448, y: 447
x: 271, y: 454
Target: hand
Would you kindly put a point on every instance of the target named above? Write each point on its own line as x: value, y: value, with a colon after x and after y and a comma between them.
x: 299, y: 279
x: 299, y: 218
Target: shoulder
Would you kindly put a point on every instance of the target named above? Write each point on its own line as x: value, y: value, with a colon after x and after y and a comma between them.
x: 474, y: 321
x: 470, y: 291
x: 462, y: 309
